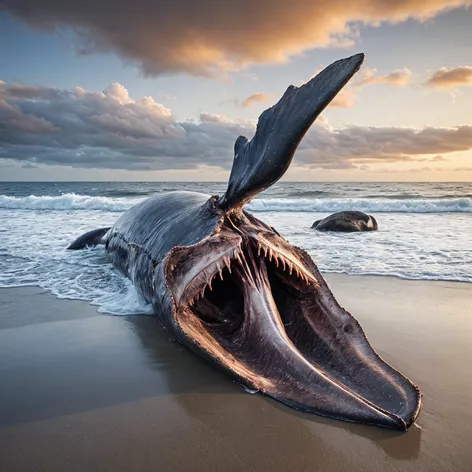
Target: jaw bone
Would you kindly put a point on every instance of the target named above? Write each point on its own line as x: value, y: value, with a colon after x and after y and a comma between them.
x: 265, y: 314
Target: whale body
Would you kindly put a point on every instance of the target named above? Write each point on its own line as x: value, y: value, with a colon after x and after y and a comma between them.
x: 234, y: 291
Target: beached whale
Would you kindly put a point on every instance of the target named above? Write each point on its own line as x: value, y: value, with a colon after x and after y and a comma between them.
x: 347, y: 222
x: 233, y: 290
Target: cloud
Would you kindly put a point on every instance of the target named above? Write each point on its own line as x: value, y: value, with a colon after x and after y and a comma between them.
x: 258, y: 97
x: 437, y: 158
x: 398, y: 78
x: 454, y: 77
x: 13, y: 118
x: 249, y: 102
x: 108, y: 129
x: 344, y: 99
x: 111, y: 130
x: 205, y: 38
x: 326, y: 147
x: 348, y: 95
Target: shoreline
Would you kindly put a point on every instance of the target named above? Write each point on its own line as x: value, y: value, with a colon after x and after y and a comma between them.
x: 81, y: 389
x: 330, y: 277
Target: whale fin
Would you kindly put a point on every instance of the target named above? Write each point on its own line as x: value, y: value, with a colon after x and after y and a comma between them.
x: 259, y: 163
x: 92, y: 238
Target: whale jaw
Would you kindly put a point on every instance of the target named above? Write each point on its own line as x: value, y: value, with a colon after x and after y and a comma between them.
x: 259, y: 308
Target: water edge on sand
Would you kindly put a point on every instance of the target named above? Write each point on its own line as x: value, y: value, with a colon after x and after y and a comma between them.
x: 81, y: 390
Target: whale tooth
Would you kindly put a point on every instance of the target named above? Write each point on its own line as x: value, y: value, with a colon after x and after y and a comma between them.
x: 276, y: 261
x: 259, y: 248
x: 270, y: 254
x: 283, y: 263
x: 221, y: 274
x: 228, y: 264
x: 209, y: 283
x: 265, y: 252
x: 290, y: 268
x: 238, y: 258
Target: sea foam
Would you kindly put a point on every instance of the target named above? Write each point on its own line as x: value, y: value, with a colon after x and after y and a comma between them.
x: 72, y: 201
x: 423, y: 205
x: 66, y: 202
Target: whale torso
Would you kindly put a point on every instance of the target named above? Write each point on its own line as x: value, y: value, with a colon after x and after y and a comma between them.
x: 142, y: 237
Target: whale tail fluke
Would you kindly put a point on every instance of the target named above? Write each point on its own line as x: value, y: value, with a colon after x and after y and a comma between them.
x: 90, y: 239
x: 259, y: 163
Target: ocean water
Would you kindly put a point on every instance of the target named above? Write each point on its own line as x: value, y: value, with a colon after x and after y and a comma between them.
x: 425, y: 232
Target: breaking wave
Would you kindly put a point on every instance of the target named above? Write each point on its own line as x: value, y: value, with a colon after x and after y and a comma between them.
x: 429, y: 205
x: 67, y: 202
x: 72, y: 201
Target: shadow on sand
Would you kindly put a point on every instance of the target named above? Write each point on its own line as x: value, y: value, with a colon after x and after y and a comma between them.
x: 189, y: 378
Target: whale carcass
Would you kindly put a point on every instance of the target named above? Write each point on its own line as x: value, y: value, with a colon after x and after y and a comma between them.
x: 234, y: 291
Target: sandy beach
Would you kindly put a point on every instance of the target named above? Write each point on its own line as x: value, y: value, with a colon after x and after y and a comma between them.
x: 85, y: 391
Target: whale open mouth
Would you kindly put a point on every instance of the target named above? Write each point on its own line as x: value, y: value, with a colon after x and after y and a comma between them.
x: 261, y: 310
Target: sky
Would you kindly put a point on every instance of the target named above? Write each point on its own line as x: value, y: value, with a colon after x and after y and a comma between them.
x: 113, y: 90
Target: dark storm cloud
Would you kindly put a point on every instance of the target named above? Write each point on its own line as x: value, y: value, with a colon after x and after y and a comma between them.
x: 203, y: 38
x: 110, y: 130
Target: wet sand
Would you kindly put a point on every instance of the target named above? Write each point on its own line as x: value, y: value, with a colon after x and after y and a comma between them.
x: 80, y: 391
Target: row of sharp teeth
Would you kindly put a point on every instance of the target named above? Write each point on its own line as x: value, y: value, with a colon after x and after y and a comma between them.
x: 268, y: 254
x: 279, y: 260
x: 226, y: 265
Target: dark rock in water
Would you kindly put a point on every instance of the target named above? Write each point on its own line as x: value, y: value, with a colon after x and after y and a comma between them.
x: 347, y: 222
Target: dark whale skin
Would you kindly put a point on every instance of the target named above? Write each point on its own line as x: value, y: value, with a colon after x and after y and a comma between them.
x: 143, y: 236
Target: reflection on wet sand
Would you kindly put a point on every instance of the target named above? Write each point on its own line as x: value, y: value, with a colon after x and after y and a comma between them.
x: 187, y: 374
x: 83, y: 391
